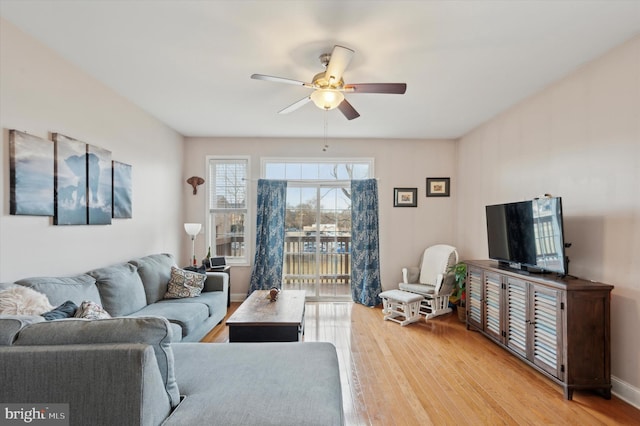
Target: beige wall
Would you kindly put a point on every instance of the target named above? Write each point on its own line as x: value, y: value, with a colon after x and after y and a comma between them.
x: 579, y: 139
x: 404, y: 232
x: 41, y: 93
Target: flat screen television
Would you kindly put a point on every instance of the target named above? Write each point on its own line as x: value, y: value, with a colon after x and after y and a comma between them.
x: 528, y: 235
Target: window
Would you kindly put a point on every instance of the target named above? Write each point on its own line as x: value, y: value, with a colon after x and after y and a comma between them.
x: 228, y: 230
x: 331, y: 170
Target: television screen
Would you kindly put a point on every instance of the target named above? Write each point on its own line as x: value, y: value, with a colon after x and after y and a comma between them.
x: 529, y: 233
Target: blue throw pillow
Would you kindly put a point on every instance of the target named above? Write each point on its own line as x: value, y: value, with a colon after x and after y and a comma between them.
x: 66, y: 310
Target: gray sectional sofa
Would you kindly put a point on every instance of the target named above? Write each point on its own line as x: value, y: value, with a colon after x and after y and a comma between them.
x: 143, y: 368
x: 136, y: 288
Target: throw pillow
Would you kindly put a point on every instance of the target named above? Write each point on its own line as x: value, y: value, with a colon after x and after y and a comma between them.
x: 20, y: 300
x: 66, y: 310
x: 91, y: 310
x: 184, y: 284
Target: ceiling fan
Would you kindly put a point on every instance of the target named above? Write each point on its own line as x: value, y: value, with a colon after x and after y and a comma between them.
x: 329, y: 86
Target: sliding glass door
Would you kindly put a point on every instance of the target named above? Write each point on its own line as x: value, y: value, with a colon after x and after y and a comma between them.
x: 317, y: 240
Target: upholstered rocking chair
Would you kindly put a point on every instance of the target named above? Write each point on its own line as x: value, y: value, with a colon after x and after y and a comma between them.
x: 432, y: 280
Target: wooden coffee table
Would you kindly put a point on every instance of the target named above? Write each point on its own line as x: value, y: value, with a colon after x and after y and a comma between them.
x: 259, y: 319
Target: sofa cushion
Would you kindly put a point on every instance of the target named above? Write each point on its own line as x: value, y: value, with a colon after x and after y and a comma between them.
x: 282, y: 383
x: 21, y: 300
x: 4, y: 286
x: 153, y: 331
x: 59, y: 290
x: 189, y: 316
x: 10, y: 325
x: 120, y: 288
x: 216, y: 301
x: 154, y: 270
x: 66, y: 310
x: 417, y: 288
x: 184, y: 284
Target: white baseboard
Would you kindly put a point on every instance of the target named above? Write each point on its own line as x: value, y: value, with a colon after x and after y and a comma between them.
x: 238, y: 297
x: 625, y: 391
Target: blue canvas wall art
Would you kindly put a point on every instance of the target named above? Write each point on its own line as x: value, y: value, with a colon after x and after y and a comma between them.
x: 70, y: 187
x: 122, y: 193
x: 31, y: 175
x: 100, y: 185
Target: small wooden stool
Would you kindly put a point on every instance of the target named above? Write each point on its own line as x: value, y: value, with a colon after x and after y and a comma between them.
x: 398, y: 303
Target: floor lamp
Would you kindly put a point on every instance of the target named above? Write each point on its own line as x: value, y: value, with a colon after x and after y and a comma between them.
x: 193, y: 229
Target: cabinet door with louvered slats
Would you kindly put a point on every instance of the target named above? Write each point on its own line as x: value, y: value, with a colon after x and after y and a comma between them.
x: 474, y: 297
x: 517, y: 323
x: 546, y: 323
x: 492, y: 305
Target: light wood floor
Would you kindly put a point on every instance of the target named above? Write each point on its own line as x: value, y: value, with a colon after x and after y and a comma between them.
x: 439, y: 373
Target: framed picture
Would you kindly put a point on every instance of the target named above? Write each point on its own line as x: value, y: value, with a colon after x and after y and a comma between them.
x: 405, y: 197
x: 438, y: 187
x: 31, y: 175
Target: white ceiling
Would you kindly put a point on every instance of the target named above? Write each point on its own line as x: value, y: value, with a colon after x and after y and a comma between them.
x: 188, y: 62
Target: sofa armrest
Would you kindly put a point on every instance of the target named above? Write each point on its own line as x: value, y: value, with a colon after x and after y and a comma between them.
x: 102, y: 383
x: 10, y: 326
x: 216, y: 281
x: 153, y: 331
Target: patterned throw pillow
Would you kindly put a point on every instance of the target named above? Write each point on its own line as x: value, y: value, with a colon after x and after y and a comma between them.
x: 184, y: 284
x: 91, y: 310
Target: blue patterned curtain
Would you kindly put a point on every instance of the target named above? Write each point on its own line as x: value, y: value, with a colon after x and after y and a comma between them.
x: 365, y: 256
x: 267, y: 265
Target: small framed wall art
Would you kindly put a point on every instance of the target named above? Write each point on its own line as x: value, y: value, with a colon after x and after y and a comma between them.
x: 405, y: 197
x: 438, y: 187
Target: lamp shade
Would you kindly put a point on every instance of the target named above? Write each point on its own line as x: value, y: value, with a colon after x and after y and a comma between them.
x: 327, y: 98
x: 192, y: 228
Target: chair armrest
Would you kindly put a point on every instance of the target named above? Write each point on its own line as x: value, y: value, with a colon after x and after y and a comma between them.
x: 410, y: 274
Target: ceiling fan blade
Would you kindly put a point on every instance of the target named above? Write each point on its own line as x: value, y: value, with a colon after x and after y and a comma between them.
x: 294, y: 106
x: 391, y: 88
x: 279, y: 80
x: 348, y: 110
x: 340, y: 59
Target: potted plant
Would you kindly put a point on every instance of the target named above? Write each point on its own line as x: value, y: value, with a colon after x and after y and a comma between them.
x: 459, y: 271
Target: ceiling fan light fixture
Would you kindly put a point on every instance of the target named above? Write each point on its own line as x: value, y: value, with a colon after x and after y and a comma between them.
x: 327, y: 98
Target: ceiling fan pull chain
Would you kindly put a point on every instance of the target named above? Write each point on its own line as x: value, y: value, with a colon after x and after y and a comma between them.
x: 326, y: 126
